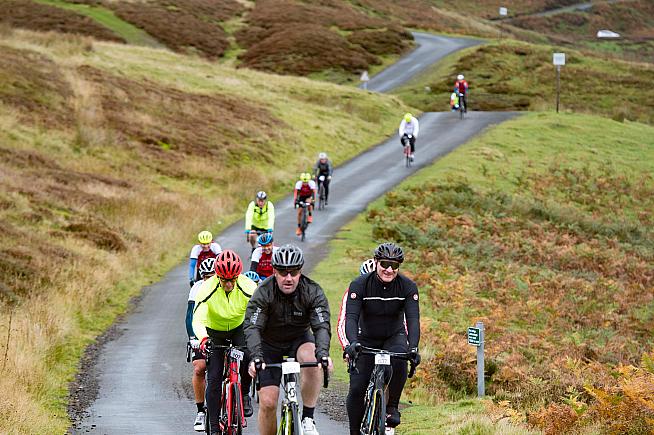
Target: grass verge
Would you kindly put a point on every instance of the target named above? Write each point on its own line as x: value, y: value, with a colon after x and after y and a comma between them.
x: 545, y: 268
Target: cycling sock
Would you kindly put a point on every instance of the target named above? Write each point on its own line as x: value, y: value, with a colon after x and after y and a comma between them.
x: 200, y: 406
x: 307, y: 412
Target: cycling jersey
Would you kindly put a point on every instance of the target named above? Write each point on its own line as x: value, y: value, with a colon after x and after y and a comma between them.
x: 218, y: 310
x: 261, y: 262
x: 461, y: 86
x: 412, y: 128
x: 376, y: 310
x: 279, y: 319
x: 323, y: 168
x: 198, y: 255
x: 305, y: 190
x: 260, y: 217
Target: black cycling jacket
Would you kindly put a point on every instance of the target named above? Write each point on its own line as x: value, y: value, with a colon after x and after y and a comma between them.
x: 376, y: 310
x: 279, y: 319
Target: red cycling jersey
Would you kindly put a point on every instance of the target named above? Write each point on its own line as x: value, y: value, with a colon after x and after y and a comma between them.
x: 264, y: 268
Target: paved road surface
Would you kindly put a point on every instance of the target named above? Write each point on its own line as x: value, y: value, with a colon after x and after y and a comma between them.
x: 144, y: 380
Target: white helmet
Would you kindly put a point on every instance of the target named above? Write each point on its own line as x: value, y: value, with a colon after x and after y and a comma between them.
x: 322, y: 156
x: 459, y: 77
x: 367, y: 266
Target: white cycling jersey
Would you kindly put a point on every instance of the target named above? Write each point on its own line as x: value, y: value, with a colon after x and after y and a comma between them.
x: 194, y: 290
x: 412, y: 128
x: 195, y: 251
x: 312, y: 185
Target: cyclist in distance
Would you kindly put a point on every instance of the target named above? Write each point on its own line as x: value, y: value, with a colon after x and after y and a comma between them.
x: 323, y: 167
x: 287, y: 316
x: 461, y: 89
x: 305, y: 191
x: 377, y: 305
x: 199, y: 363
x: 261, y: 261
x: 259, y: 218
x: 207, y: 248
x: 409, y: 129
x: 218, y: 315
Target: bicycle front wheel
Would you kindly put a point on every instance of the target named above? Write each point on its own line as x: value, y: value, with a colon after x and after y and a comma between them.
x: 285, y: 422
x: 304, y: 223
x: 295, y: 418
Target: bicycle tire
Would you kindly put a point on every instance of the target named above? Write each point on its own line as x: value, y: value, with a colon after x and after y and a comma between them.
x: 303, y: 222
x: 236, y: 423
x: 296, y: 425
x: 321, y: 196
x: 380, y: 414
x: 284, y: 425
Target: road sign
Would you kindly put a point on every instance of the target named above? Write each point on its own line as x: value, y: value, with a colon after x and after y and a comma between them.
x: 558, y: 59
x: 504, y: 12
x: 474, y: 336
x: 607, y: 34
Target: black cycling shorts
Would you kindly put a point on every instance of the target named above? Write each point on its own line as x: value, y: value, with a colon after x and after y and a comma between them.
x: 196, y: 355
x: 274, y: 355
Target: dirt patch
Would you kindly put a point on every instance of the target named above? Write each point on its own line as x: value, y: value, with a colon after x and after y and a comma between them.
x: 34, y: 86
x: 41, y: 17
x: 98, y: 233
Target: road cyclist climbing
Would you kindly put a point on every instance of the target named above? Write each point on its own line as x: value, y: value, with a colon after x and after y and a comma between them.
x: 207, y: 248
x: 304, y: 195
x: 408, y: 131
x: 288, y: 316
x: 259, y: 218
x: 382, y: 312
x: 322, y: 172
x: 461, y: 89
x: 261, y: 260
x: 218, y: 316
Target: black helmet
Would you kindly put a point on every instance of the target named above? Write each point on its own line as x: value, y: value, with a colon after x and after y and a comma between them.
x: 206, y: 267
x: 389, y: 251
x: 288, y: 257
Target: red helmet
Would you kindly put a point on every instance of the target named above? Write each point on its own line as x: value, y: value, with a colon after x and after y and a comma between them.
x: 228, y: 264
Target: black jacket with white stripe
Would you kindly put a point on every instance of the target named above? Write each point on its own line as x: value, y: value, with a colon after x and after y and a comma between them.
x: 376, y: 310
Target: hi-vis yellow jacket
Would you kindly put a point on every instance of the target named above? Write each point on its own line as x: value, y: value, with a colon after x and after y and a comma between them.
x: 218, y: 310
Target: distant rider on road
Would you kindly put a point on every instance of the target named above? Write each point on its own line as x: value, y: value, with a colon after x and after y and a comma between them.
x: 409, y: 129
x: 305, y: 191
x: 323, y: 167
x: 259, y: 218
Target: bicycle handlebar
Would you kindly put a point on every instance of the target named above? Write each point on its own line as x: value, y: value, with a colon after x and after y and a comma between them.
x: 364, y: 350
x: 324, y: 363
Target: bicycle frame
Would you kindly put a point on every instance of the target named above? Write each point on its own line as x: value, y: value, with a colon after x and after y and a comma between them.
x: 304, y: 217
x: 231, y: 419
x: 320, y: 181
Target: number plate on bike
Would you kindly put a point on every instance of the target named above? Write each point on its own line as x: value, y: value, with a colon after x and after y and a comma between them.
x: 236, y: 354
x: 383, y: 359
x: 290, y: 367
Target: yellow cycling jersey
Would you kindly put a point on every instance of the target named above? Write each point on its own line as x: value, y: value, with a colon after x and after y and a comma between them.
x: 218, y: 310
x: 263, y: 218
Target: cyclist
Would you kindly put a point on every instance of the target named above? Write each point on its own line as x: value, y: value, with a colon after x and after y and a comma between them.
x: 207, y: 248
x: 277, y: 323
x: 461, y: 89
x: 409, y: 129
x: 366, y: 267
x: 206, y: 270
x: 218, y: 315
x: 259, y: 218
x: 261, y: 261
x: 454, y: 102
x: 323, y: 167
x: 253, y: 276
x: 378, y: 304
x: 305, y: 191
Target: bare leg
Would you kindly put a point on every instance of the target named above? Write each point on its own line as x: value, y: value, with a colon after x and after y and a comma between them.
x: 199, y: 366
x: 310, y: 377
x: 268, y: 397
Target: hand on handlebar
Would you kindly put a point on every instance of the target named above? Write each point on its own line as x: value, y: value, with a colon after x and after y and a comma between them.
x: 352, y: 350
x: 414, y: 356
x: 326, y: 361
x: 255, y: 366
x: 204, y: 343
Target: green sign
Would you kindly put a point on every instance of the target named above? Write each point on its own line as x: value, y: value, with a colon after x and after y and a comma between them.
x: 474, y: 336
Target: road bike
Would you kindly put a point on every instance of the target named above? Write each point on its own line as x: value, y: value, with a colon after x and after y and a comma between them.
x: 406, y: 144
x: 290, y: 423
x: 231, y: 419
x: 462, y: 106
x: 322, y: 198
x: 374, y: 416
x: 304, y: 217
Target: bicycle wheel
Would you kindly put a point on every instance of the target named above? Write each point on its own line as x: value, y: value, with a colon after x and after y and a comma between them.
x: 380, y: 414
x: 368, y: 413
x: 303, y: 222
x: 285, y: 422
x: 321, y: 196
x: 296, y: 425
x: 236, y: 421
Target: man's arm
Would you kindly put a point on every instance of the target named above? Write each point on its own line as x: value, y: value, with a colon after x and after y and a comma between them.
x: 248, y: 216
x: 201, y: 311
x: 416, y: 130
x: 352, y: 312
x: 412, y: 314
x: 402, y: 127
x: 256, y: 316
x: 271, y: 216
x: 331, y: 168
x: 320, y: 323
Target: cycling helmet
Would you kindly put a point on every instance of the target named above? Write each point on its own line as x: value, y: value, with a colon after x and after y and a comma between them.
x: 205, y: 237
x: 265, y: 239
x: 253, y: 275
x: 389, y: 251
x: 322, y: 156
x: 207, y: 267
x: 288, y: 257
x: 459, y: 77
x: 261, y: 195
x: 305, y: 177
x: 407, y: 117
x: 228, y: 264
x: 367, y: 266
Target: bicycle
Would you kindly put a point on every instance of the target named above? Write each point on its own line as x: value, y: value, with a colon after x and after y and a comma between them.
x: 290, y: 423
x: 406, y: 144
x: 374, y: 416
x: 462, y: 105
x: 231, y: 420
x: 304, y: 218
x: 321, y: 192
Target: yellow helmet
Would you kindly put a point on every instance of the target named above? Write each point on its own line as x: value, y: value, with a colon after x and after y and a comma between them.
x: 305, y: 177
x: 205, y: 237
x: 407, y: 117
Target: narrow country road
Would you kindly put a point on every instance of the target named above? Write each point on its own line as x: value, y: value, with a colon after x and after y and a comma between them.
x: 142, y: 376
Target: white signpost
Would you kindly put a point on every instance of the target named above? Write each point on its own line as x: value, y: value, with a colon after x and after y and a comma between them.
x: 503, y: 13
x: 558, y: 59
x: 365, y: 79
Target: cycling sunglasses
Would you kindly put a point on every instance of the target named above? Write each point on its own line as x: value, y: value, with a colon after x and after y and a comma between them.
x: 285, y: 272
x: 228, y: 280
x: 385, y: 264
